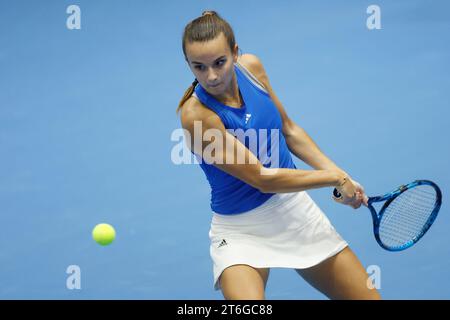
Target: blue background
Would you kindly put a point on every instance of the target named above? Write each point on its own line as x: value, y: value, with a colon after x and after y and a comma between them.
x: 86, y: 118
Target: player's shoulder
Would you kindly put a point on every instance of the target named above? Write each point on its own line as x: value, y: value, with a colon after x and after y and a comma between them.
x: 194, y: 110
x: 252, y: 62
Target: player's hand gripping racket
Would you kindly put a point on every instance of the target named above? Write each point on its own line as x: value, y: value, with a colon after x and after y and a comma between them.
x: 407, y: 214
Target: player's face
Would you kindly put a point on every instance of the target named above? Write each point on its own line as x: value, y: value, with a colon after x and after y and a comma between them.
x: 212, y: 63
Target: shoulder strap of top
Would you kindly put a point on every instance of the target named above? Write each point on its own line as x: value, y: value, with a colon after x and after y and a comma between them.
x: 251, y: 77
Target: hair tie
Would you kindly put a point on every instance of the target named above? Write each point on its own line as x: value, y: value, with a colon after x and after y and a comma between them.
x: 208, y: 12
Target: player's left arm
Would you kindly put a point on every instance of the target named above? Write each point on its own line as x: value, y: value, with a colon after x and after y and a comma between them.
x: 298, y: 141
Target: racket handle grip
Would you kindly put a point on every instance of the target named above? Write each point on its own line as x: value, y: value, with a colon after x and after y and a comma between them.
x: 336, y: 194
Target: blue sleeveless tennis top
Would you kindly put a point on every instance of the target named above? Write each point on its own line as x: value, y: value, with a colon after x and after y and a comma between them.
x: 230, y: 195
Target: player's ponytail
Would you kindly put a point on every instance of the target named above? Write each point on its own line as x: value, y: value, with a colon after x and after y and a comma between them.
x: 187, y: 94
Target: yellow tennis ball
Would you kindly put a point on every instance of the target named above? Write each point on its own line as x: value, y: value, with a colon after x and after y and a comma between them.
x: 103, y: 234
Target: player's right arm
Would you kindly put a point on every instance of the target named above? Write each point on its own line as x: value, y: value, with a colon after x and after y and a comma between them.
x: 251, y: 171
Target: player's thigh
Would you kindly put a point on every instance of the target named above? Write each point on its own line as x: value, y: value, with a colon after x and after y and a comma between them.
x: 244, y: 282
x: 341, y: 277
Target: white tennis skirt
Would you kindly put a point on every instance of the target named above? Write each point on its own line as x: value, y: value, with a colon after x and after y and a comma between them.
x: 288, y: 231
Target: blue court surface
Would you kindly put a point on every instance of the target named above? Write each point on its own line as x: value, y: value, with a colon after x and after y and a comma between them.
x: 86, y: 117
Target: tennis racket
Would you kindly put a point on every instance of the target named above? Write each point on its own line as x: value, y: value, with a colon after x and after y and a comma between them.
x: 407, y: 214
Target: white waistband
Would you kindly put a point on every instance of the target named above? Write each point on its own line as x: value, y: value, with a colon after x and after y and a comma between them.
x: 279, y: 201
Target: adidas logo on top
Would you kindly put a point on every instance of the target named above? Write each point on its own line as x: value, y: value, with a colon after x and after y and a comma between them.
x: 247, y: 117
x: 223, y: 243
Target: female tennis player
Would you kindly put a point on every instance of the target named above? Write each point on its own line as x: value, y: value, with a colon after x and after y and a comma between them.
x: 262, y: 217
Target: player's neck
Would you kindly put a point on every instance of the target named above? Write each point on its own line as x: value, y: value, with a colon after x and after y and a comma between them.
x: 231, y: 97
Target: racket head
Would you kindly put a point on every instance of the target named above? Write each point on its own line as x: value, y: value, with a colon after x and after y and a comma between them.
x: 407, y: 214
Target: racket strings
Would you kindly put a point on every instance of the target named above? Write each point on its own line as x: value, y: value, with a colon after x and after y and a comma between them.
x: 407, y: 217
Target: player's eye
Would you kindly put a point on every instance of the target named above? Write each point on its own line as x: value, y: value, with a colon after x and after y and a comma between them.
x: 218, y: 63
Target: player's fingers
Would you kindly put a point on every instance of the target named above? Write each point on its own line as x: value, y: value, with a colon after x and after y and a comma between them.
x: 357, y: 201
x: 351, y: 197
x: 365, y: 200
x: 356, y: 204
